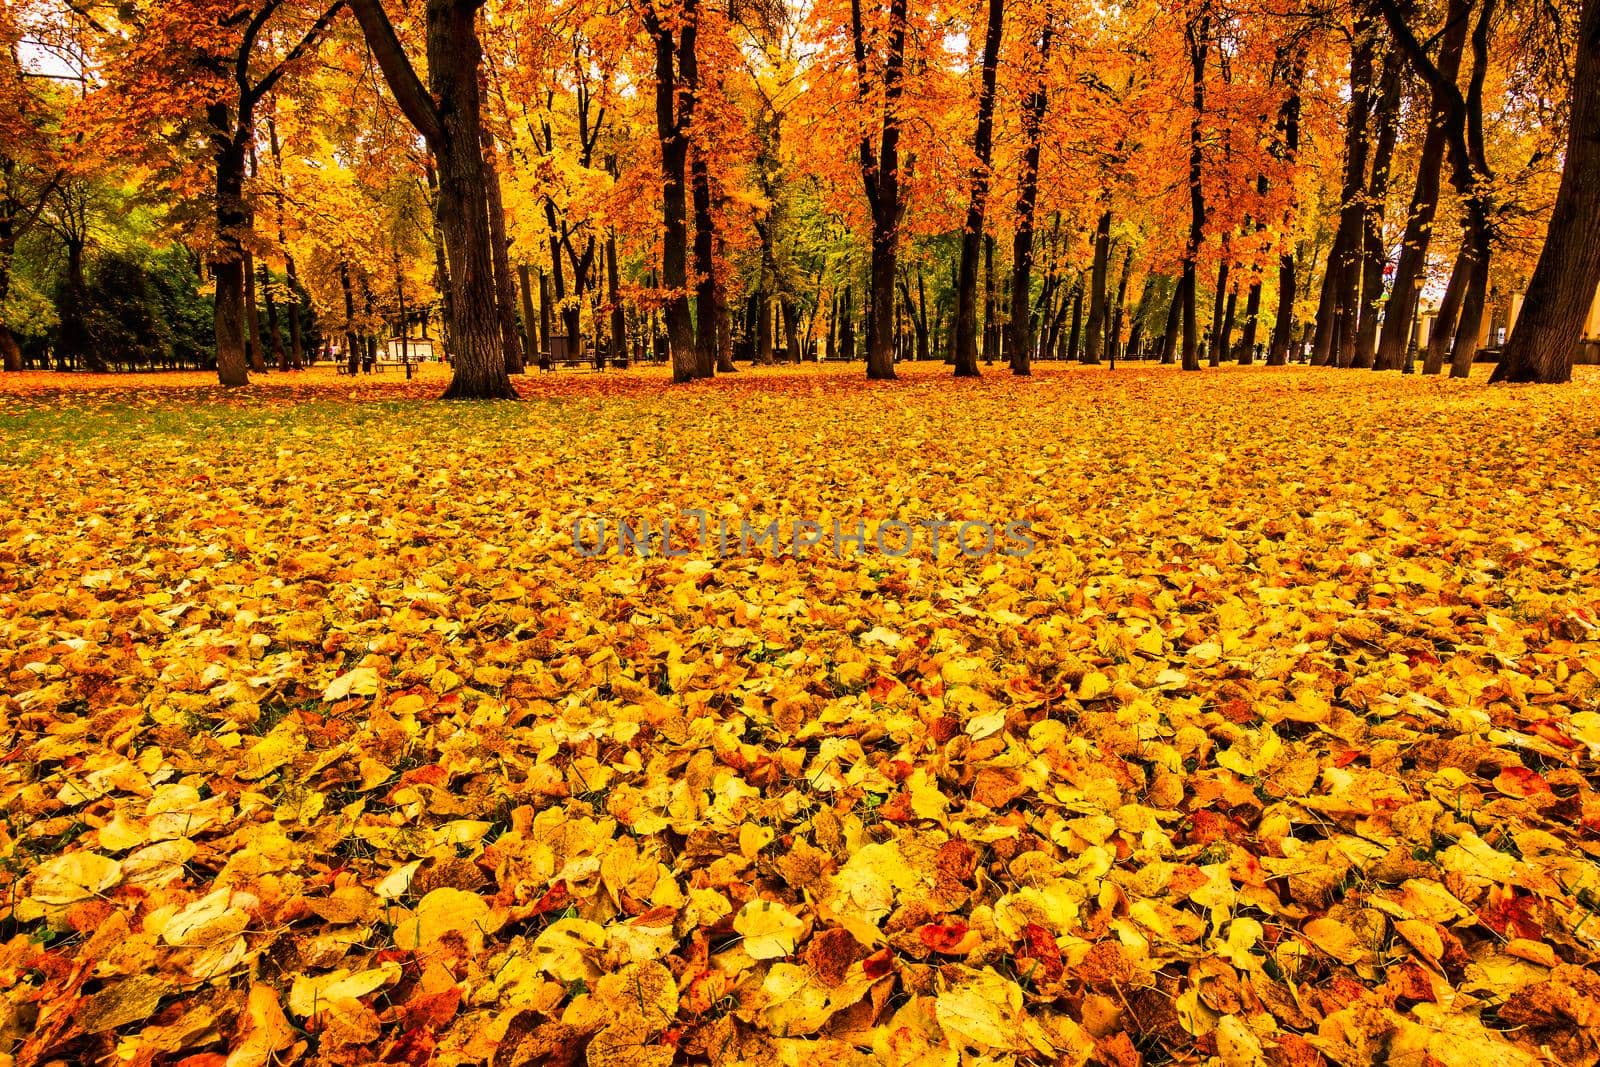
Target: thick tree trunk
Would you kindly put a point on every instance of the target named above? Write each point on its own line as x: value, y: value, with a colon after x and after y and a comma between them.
x: 1169, y: 335
x: 1477, y: 240
x: 674, y: 142
x: 1562, y: 290
x: 1095, y: 337
x: 530, y: 321
x: 1021, y: 344
x: 1218, y: 304
x: 1352, y: 213
x: 978, y: 195
x: 1375, y: 254
x: 1283, y: 326
x: 1226, y: 331
x: 1443, y: 331
x: 275, y: 353
x: 1399, y: 318
x: 352, y: 354
x: 505, y: 287
x: 1323, y: 335
x: 73, y: 335
x: 880, y: 175
x: 448, y: 114
x: 252, y: 316
x: 227, y: 267
x: 761, y: 308
x: 705, y: 270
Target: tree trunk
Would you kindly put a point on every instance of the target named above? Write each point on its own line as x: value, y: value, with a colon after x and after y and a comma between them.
x: 1252, y: 321
x: 1095, y: 337
x: 1322, y: 338
x: 1021, y: 345
x: 352, y: 354
x: 290, y: 273
x: 673, y: 135
x: 1074, y: 337
x: 441, y: 268
x: 1169, y: 335
x: 1476, y: 240
x: 982, y: 148
x: 1283, y: 326
x: 275, y: 351
x: 75, y: 342
x: 1226, y: 330
x: 447, y: 114
x: 1375, y: 254
x: 880, y: 175
x: 1352, y: 213
x: 1400, y: 313
x: 1562, y: 290
x: 1114, y: 342
x: 1218, y: 305
x: 505, y: 287
x: 252, y: 316
x: 227, y: 267
x: 705, y: 285
x: 761, y: 305
x: 1443, y: 330
x: 1199, y: 45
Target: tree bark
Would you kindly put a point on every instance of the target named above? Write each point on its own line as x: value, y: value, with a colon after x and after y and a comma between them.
x: 880, y: 175
x: 1476, y: 240
x: 447, y: 114
x: 705, y: 270
x: 227, y: 266
x: 505, y: 287
x: 252, y: 316
x: 1021, y: 345
x: 1375, y: 254
x: 978, y: 194
x: 1443, y: 331
x: 1352, y: 213
x: 1562, y: 290
x: 1218, y: 305
x: 352, y: 353
x: 1400, y: 314
x: 1094, y: 339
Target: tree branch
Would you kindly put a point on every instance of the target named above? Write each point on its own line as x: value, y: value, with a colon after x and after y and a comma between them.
x: 264, y: 86
x: 409, y: 92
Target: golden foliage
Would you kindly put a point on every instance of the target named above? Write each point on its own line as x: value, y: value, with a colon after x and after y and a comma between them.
x: 324, y: 744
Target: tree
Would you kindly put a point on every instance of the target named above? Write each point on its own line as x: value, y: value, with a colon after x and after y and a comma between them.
x: 1198, y: 34
x: 1562, y: 290
x: 966, y: 339
x: 1033, y: 109
x: 1400, y: 313
x: 880, y: 177
x: 450, y: 120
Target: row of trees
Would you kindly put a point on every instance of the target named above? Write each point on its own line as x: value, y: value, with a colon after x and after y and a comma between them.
x: 1012, y: 178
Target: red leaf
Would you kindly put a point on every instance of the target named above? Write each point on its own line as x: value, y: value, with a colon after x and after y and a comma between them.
x: 943, y: 937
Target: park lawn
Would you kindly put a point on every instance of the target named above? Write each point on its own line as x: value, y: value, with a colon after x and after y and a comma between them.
x: 324, y: 742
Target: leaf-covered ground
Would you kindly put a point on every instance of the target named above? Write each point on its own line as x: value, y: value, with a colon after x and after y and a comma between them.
x: 322, y: 743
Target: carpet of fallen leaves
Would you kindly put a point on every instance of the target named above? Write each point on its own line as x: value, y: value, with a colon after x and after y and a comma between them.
x: 322, y: 744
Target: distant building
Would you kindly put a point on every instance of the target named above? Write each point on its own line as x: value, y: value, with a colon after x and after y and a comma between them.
x: 1501, y: 316
x: 408, y: 349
